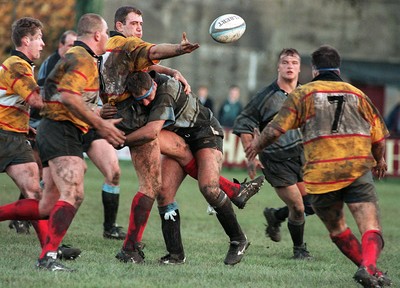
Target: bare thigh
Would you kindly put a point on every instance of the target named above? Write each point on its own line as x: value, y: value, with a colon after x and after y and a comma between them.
x: 209, y: 162
x: 175, y: 147
x: 103, y: 155
x: 26, y: 177
x: 332, y: 217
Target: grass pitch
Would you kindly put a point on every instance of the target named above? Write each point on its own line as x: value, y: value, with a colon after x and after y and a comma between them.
x: 266, y: 264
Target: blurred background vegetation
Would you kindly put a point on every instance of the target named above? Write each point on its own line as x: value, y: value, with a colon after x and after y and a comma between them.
x: 56, y: 15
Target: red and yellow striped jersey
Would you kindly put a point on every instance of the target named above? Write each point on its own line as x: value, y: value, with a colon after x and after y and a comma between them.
x: 76, y: 73
x: 339, y: 123
x: 124, y: 55
x: 17, y: 84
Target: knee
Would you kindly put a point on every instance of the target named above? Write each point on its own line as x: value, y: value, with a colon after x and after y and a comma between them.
x: 297, y: 212
x: 114, y: 175
x: 78, y: 200
x: 35, y: 194
x: 216, y: 198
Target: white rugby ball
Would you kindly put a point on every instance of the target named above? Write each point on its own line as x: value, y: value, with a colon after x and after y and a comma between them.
x: 227, y: 28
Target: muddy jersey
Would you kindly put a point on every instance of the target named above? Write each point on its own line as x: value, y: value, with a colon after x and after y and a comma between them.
x: 134, y: 115
x: 76, y: 73
x: 339, y: 124
x: 178, y: 109
x: 258, y: 113
x: 124, y: 55
x: 17, y: 84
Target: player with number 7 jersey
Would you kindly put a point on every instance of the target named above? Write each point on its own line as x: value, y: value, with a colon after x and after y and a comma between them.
x: 339, y: 123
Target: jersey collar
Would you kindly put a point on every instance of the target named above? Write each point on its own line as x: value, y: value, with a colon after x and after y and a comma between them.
x: 22, y: 56
x: 116, y: 33
x: 90, y: 51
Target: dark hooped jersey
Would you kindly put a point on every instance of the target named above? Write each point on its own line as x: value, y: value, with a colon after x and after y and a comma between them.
x: 258, y: 113
x: 17, y: 84
x: 339, y: 124
x: 76, y: 73
x: 178, y: 109
x: 124, y: 55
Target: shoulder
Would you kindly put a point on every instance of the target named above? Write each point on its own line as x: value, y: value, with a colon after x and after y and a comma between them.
x: 169, y: 85
x: 267, y: 93
x: 17, y: 65
x: 79, y: 56
x: 132, y: 43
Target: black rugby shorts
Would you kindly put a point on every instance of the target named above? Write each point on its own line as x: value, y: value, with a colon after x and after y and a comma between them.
x: 14, y: 149
x: 361, y: 190
x: 284, y: 173
x: 58, y: 138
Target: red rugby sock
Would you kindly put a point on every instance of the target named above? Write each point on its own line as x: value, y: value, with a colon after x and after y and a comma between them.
x: 140, y: 211
x: 191, y: 168
x: 25, y: 209
x: 349, y: 245
x: 41, y: 228
x: 230, y: 188
x: 372, y: 244
x: 59, y: 221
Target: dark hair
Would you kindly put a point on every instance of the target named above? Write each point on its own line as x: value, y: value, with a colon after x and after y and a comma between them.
x: 122, y: 12
x: 137, y: 81
x: 288, y: 52
x: 325, y: 57
x: 23, y: 27
x: 65, y: 34
x: 89, y: 23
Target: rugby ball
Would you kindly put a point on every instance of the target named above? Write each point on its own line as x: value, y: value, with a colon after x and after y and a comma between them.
x: 227, y: 28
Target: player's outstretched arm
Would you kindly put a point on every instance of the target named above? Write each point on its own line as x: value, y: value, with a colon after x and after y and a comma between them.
x: 165, y: 51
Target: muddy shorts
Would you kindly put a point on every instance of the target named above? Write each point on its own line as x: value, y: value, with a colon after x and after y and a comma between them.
x: 14, y: 149
x: 58, y: 138
x: 361, y: 190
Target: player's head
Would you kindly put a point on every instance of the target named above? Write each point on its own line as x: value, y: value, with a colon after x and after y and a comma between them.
x: 93, y: 30
x: 289, y: 62
x: 128, y: 21
x: 66, y: 41
x: 142, y: 87
x: 24, y: 27
x: 26, y: 34
x: 288, y: 52
x: 325, y: 58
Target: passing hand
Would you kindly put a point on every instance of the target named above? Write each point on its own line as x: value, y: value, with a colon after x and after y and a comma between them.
x: 186, y: 46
